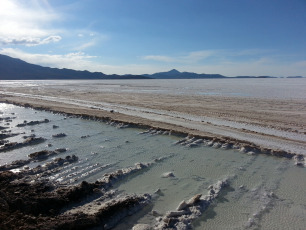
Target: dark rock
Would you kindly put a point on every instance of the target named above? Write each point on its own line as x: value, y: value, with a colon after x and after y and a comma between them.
x: 59, y: 135
x: 7, y: 135
x: 27, y: 142
x: 41, y: 155
x: 26, y: 137
x: 14, y: 164
x: 31, y: 123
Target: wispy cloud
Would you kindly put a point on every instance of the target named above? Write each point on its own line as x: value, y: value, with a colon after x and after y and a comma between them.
x: 29, y: 41
x: 85, y: 45
x: 76, y: 60
x: 199, y: 55
x: 159, y: 58
x: 26, y: 23
x: 203, y: 55
x: 86, y: 39
x: 187, y: 58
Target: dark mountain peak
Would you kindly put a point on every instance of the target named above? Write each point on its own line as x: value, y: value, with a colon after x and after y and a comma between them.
x: 175, y: 74
x: 174, y: 71
x: 170, y: 74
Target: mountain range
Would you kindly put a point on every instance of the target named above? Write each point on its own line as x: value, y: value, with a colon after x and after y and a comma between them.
x: 16, y: 69
x: 174, y: 74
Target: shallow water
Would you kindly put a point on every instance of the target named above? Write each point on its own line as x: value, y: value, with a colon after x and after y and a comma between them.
x: 246, y: 204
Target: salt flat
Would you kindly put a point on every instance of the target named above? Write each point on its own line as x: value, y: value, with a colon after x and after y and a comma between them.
x: 269, y: 113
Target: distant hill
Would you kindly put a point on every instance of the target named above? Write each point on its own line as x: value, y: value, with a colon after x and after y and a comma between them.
x: 174, y: 74
x: 16, y: 69
x: 295, y: 77
x: 255, y: 77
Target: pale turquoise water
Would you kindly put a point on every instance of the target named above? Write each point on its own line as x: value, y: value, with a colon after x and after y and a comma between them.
x: 194, y: 170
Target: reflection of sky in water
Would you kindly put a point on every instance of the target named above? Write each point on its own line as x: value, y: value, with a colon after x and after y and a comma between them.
x: 4, y: 107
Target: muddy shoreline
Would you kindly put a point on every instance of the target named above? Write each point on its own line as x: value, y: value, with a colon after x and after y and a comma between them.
x: 128, y: 121
x: 30, y: 202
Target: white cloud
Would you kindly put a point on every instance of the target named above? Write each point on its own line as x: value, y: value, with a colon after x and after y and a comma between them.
x: 26, y: 23
x: 77, y: 60
x: 199, y: 55
x: 28, y: 41
x: 85, y: 45
x: 86, y: 40
x: 49, y: 39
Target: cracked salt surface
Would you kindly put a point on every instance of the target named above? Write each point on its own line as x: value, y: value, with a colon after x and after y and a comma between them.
x: 264, y: 192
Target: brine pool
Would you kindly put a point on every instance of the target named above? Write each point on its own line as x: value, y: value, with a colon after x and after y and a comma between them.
x: 246, y: 204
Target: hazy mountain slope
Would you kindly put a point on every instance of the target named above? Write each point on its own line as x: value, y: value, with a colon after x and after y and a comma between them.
x: 16, y: 69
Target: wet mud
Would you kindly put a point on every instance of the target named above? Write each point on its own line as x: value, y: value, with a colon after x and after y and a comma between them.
x: 30, y: 201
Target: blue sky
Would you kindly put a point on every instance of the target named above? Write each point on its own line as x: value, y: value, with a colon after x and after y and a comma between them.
x: 230, y: 37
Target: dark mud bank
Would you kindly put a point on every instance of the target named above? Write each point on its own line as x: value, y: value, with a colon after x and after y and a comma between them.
x: 28, y: 201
